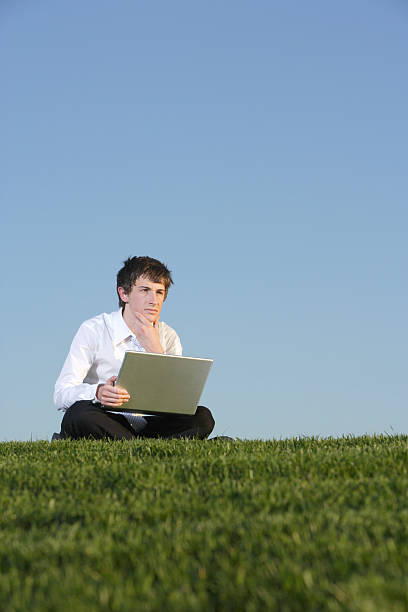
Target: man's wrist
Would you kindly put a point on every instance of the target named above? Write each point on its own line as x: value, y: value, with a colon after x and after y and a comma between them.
x: 97, y: 391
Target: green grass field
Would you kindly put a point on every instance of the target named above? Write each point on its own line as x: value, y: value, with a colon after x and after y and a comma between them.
x: 188, y: 525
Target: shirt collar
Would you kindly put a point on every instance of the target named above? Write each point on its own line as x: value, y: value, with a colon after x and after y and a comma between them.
x: 120, y: 330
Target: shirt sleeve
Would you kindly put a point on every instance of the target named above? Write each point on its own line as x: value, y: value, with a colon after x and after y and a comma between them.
x: 172, y: 342
x: 70, y: 387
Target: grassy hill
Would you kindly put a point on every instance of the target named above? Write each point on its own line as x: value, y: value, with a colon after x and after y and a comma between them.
x: 300, y: 524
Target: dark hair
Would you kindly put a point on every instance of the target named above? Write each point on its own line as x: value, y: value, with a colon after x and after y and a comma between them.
x: 135, y: 267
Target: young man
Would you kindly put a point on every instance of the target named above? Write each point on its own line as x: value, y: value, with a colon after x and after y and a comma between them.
x: 85, y: 387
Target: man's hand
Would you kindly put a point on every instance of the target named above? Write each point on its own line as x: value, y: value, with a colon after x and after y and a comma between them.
x: 109, y: 395
x: 148, y: 334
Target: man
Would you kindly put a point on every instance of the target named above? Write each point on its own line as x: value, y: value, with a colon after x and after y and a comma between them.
x: 85, y: 387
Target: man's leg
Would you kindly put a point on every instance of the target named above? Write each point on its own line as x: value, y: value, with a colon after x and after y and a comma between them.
x: 198, y: 425
x: 84, y: 419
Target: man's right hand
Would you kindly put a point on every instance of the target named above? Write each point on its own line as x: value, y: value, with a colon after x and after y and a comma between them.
x: 109, y: 395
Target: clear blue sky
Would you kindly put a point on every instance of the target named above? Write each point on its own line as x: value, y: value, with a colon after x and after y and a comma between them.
x: 260, y: 149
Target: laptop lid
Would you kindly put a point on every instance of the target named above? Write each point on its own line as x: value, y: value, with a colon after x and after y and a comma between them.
x: 162, y: 384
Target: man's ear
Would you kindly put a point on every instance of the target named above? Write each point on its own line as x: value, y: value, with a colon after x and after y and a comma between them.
x: 123, y: 295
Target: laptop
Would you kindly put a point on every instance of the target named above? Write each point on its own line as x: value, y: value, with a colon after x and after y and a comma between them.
x: 162, y: 384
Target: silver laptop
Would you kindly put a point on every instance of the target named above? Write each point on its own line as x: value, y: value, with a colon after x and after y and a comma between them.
x: 162, y: 384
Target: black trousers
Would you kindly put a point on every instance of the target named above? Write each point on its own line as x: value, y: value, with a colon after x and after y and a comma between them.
x: 84, y: 419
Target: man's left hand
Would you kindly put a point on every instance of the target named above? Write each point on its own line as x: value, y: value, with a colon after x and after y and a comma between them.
x: 148, y: 333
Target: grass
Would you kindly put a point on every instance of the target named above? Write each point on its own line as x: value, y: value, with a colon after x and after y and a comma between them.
x: 298, y: 524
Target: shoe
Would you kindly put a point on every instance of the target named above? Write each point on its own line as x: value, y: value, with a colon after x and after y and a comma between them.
x: 223, y: 438
x: 57, y: 436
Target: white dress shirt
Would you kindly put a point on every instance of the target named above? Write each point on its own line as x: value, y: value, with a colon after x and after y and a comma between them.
x: 96, y: 354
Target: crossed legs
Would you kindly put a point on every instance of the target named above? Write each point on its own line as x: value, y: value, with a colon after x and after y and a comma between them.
x: 84, y: 419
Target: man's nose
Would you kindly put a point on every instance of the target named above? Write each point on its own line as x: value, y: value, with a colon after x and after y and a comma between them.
x: 153, y: 298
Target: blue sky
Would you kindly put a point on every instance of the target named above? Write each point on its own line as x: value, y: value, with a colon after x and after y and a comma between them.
x: 260, y: 150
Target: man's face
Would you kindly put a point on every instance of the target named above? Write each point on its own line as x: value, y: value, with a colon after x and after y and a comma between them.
x: 145, y: 297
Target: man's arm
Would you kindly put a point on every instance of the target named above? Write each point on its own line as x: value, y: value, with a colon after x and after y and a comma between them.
x: 70, y: 387
x: 170, y: 340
